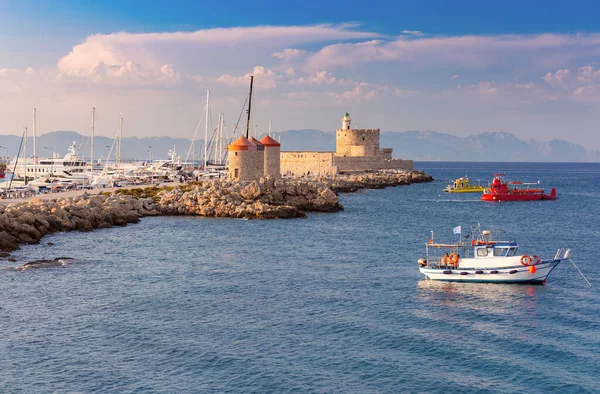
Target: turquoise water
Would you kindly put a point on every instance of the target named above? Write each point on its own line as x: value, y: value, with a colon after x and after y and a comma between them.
x: 332, y: 303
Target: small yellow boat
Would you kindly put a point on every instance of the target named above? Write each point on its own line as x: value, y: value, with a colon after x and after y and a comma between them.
x: 463, y: 185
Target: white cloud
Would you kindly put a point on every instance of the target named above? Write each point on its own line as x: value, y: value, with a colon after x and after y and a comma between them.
x: 557, y: 79
x: 322, y: 77
x: 454, y: 76
x: 289, y: 54
x: 587, y: 74
x: 484, y: 88
x: 362, y: 91
x: 264, y: 78
x: 467, y: 51
x: 210, y: 50
x: 403, y: 92
x: 412, y: 32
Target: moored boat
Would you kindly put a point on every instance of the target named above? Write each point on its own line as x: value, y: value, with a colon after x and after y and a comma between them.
x: 486, y: 260
x: 463, y: 185
x: 500, y: 190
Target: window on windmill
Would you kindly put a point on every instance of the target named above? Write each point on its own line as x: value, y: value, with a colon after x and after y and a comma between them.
x: 236, y: 172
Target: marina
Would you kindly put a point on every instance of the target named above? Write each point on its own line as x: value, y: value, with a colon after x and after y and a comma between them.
x: 299, y: 198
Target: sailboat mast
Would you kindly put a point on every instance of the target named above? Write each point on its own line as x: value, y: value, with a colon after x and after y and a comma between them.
x: 25, y: 155
x: 216, y: 140
x: 34, y: 144
x: 120, y: 143
x: 269, y: 128
x: 92, y: 146
x: 206, y: 128
x: 221, y: 138
x: 249, y: 107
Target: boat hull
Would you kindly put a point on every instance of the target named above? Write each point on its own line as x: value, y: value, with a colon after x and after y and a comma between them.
x: 516, y: 197
x: 516, y: 274
x: 466, y: 190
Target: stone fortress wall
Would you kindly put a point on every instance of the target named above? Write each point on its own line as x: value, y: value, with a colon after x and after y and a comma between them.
x: 357, y: 150
x: 307, y: 163
x: 361, y: 142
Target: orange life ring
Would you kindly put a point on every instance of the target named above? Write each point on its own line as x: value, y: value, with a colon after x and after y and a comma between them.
x: 526, y: 260
x: 453, y: 258
x: 536, y: 260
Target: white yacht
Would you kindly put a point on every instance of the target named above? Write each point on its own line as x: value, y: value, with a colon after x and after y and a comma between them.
x: 70, y: 166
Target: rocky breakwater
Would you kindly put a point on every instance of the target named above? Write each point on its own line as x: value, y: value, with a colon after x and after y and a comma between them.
x: 376, y: 180
x: 265, y: 199
x: 29, y: 222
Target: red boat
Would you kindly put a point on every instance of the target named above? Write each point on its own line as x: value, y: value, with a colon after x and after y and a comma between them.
x: 499, y: 190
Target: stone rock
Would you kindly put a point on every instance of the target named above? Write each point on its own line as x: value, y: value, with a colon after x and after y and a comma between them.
x: 251, y: 192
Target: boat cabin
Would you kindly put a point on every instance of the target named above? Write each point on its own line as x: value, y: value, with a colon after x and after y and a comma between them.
x: 495, y: 250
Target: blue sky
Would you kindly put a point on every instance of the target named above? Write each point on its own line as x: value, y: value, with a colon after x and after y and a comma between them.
x: 530, y: 68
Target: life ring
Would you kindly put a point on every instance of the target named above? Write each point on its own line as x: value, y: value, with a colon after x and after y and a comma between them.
x: 526, y: 260
x: 536, y: 260
x: 453, y: 258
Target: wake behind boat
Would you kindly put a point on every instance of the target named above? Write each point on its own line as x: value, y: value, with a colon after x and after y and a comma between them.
x: 486, y: 260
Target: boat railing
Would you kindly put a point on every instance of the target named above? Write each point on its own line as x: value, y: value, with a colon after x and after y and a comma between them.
x: 565, y: 252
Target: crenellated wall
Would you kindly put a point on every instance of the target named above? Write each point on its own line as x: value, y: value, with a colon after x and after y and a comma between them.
x: 357, y: 142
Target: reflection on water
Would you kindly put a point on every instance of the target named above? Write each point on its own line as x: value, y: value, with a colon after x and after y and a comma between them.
x: 492, y: 298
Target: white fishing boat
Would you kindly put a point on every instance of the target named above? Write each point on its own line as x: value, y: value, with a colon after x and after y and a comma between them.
x: 486, y: 260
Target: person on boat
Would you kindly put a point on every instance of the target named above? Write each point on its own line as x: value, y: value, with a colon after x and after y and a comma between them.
x: 445, y: 259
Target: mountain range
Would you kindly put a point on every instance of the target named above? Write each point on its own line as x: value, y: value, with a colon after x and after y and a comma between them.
x: 414, y: 144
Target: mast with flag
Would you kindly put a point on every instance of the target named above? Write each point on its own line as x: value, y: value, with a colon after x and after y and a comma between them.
x: 458, y: 230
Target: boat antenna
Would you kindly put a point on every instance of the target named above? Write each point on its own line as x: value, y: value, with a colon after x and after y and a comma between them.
x: 249, y: 107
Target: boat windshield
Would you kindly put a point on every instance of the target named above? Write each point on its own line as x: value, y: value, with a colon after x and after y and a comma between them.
x: 504, y: 251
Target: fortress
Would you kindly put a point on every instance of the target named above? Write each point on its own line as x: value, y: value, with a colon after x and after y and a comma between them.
x: 357, y: 150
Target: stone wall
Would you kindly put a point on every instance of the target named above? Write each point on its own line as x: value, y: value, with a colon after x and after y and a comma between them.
x: 369, y: 163
x: 307, y: 163
x: 357, y: 142
x: 246, y: 165
x: 272, y: 161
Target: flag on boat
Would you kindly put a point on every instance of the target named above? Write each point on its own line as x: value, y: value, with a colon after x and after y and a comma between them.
x: 457, y: 230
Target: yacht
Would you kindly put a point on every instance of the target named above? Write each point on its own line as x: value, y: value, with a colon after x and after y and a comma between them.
x: 70, y: 166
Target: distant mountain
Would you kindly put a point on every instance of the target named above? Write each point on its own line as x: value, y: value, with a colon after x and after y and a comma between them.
x: 414, y: 144
x: 133, y: 147
x: 431, y: 146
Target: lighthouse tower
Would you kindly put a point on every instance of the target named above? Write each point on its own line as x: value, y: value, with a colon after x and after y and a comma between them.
x: 346, y: 122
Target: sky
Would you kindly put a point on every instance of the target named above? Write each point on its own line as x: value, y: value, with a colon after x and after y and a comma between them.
x: 462, y: 68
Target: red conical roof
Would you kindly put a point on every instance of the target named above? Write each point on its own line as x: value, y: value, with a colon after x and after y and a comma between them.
x: 259, y: 145
x: 242, y: 143
x: 268, y: 141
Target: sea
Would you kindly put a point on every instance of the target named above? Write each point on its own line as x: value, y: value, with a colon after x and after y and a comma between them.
x: 333, y: 303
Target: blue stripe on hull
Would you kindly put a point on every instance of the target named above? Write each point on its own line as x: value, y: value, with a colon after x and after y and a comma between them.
x: 504, y: 281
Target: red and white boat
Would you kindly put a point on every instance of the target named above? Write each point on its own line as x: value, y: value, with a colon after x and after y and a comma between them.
x: 500, y: 190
